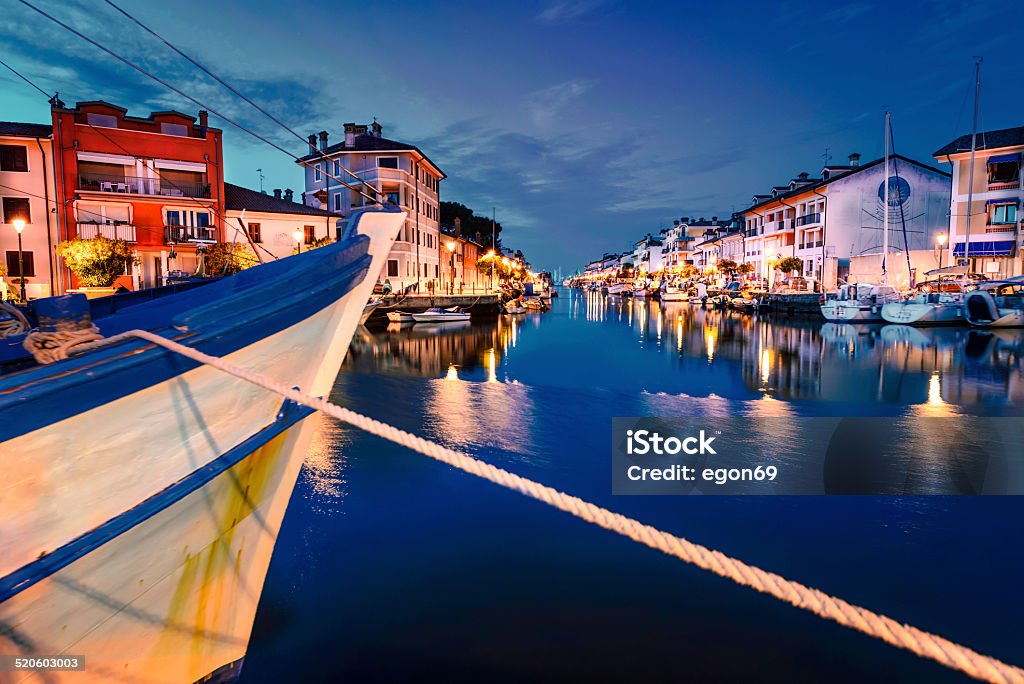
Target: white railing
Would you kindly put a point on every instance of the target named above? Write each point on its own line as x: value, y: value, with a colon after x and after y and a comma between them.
x: 113, y: 231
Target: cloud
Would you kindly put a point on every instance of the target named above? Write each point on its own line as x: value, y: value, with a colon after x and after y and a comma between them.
x: 548, y: 104
x: 567, y: 10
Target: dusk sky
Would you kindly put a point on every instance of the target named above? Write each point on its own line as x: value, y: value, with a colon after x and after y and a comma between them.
x: 585, y: 123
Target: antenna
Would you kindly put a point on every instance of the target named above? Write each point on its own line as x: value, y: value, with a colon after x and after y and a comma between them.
x: 827, y: 157
x: 260, y: 172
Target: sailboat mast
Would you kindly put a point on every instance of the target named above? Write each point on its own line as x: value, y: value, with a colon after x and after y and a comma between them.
x: 970, y: 174
x: 885, y: 208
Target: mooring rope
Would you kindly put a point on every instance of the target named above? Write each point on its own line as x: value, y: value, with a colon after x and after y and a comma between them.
x: 920, y: 642
x: 16, y: 324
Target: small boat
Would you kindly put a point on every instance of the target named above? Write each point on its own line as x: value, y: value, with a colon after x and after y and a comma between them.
x: 927, y: 308
x: 400, y: 317
x: 535, y: 304
x: 439, y: 315
x: 514, y: 307
x: 858, y: 303
x: 743, y: 303
x: 368, y: 310
x: 617, y: 288
x: 674, y: 294
x: 997, y: 304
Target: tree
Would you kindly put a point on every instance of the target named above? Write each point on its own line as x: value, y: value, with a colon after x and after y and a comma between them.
x: 96, y: 261
x: 238, y: 259
x: 319, y: 242
x: 689, y: 270
x: 728, y: 265
x: 470, y: 224
x: 746, y: 268
x: 790, y: 264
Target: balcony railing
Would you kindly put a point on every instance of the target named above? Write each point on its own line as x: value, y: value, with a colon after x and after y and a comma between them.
x: 1003, y: 185
x: 188, y: 233
x: 134, y: 185
x: 808, y: 219
x: 112, y: 231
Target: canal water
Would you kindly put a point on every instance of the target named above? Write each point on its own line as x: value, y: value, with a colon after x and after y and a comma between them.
x: 392, y: 567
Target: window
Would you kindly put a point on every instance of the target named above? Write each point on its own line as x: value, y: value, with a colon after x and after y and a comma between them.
x: 173, y: 218
x: 387, y: 162
x: 308, y: 234
x: 13, y: 158
x: 1004, y: 213
x: 392, y: 197
x: 12, y: 264
x: 392, y: 268
x: 337, y: 201
x: 1004, y: 172
x: 104, y: 120
x: 255, y: 233
x: 16, y: 208
x: 337, y: 167
x: 316, y: 172
x: 174, y: 129
x: 202, y: 220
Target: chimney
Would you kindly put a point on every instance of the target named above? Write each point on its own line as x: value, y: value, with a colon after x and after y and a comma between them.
x: 350, y: 135
x: 675, y: 222
x: 277, y: 193
x: 714, y: 219
x: 376, y: 129
x: 803, y: 175
x: 288, y: 194
x: 312, y: 143
x: 458, y: 227
x: 686, y: 219
x: 204, y: 118
x: 855, y: 159
x: 323, y: 141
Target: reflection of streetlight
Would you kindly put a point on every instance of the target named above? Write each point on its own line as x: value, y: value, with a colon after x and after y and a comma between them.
x: 940, y: 240
x: 451, y: 252
x: 19, y: 225
x: 297, y: 235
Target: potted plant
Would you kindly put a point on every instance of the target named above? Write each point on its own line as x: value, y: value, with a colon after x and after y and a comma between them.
x: 790, y: 264
x: 96, y: 262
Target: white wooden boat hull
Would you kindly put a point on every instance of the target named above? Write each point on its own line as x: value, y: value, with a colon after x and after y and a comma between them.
x: 439, y: 318
x: 400, y: 317
x: 912, y: 313
x: 851, y: 312
x: 171, y: 596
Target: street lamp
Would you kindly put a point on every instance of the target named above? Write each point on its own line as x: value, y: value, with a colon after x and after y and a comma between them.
x: 490, y: 255
x: 940, y: 240
x: 19, y: 225
x: 298, y: 234
x: 451, y: 257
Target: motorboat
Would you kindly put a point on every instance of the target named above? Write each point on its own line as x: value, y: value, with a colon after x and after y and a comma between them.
x: 674, y: 294
x: 858, y: 303
x: 439, y: 315
x: 400, y: 317
x: 535, y: 304
x: 368, y: 310
x: 996, y: 304
x: 743, y: 303
x: 618, y: 288
x: 514, y: 307
x: 937, y: 302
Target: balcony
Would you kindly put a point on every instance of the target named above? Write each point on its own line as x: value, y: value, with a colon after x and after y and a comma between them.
x: 189, y: 234
x: 111, y: 231
x: 135, y: 185
x: 808, y: 219
x: 1003, y: 185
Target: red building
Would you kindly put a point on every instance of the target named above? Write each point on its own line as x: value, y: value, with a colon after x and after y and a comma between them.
x: 156, y: 182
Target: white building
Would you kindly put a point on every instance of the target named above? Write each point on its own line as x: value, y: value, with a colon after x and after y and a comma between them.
x: 995, y: 226
x: 827, y: 220
x: 27, y: 193
x: 395, y: 169
x: 273, y: 221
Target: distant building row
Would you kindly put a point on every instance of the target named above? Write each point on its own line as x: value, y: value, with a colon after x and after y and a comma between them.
x: 157, y: 182
x: 834, y: 222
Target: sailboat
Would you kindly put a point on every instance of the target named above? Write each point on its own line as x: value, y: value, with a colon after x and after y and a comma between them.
x: 143, y: 492
x: 863, y: 302
x: 945, y: 306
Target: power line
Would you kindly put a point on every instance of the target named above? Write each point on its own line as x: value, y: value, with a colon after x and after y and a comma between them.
x: 24, y: 78
x: 188, y: 97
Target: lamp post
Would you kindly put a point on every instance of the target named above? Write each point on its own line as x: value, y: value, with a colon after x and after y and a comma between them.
x: 19, y: 225
x: 490, y: 255
x: 298, y: 234
x: 451, y: 263
x: 940, y: 240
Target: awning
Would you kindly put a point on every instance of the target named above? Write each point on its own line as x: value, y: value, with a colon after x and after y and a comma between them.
x: 1004, y: 158
x: 979, y: 249
x: 179, y: 165
x: 1005, y: 200
x: 106, y: 158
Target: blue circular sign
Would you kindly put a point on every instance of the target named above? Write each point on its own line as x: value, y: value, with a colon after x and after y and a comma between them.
x: 899, y: 191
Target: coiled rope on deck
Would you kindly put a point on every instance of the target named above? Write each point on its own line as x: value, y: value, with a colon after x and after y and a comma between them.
x: 16, y: 324
x: 920, y: 642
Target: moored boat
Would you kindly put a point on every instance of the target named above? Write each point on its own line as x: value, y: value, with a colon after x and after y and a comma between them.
x: 148, y: 489
x: 858, y: 303
x: 368, y: 310
x: 400, y: 317
x: 439, y: 315
x: 997, y: 304
x: 926, y: 308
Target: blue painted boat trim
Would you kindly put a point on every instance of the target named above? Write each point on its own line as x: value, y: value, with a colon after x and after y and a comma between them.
x: 38, y: 570
x: 217, y: 319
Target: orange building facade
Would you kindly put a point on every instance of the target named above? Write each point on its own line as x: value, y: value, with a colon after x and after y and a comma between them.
x: 156, y: 182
